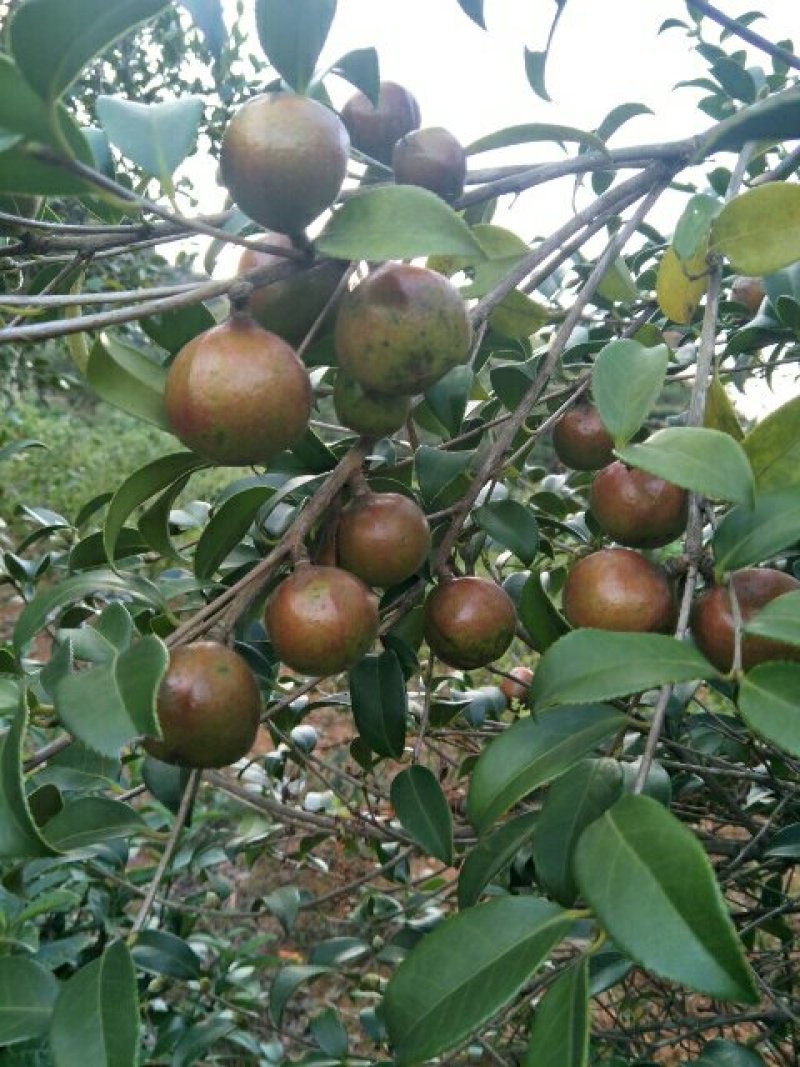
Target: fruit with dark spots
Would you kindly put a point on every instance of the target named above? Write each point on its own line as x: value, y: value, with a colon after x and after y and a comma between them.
x: 321, y: 620
x: 401, y: 330
x: 432, y: 158
x: 384, y: 538
x: 748, y: 291
x: 581, y: 441
x: 290, y: 307
x: 283, y: 160
x: 208, y: 706
x: 237, y: 394
x: 370, y: 414
x: 518, y: 686
x: 713, y: 620
x: 636, y: 508
x: 618, y: 589
x: 469, y: 622
x: 375, y: 130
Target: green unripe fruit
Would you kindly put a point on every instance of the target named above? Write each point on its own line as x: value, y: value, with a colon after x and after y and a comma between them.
x: 370, y: 414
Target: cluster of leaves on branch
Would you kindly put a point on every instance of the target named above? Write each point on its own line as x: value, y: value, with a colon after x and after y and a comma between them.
x: 591, y: 862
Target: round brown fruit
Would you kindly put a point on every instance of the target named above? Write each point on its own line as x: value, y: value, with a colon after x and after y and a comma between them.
x: 517, y: 687
x: 375, y: 130
x: 748, y: 291
x: 283, y: 160
x: 401, y: 330
x: 581, y: 440
x: 290, y: 307
x: 713, y: 623
x: 384, y: 538
x: 432, y: 158
x: 618, y: 589
x: 469, y: 622
x: 370, y: 414
x: 636, y: 508
x: 208, y: 706
x: 321, y: 620
x: 238, y: 394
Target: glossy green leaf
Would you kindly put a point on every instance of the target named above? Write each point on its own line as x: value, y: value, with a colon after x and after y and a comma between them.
x: 286, y: 982
x: 165, y: 781
x: 722, y: 1053
x: 362, y: 69
x: 560, y: 1034
x: 396, y: 222
x: 96, y: 1016
x: 227, y: 526
x: 694, y: 225
x: 759, y: 230
x: 588, y: 665
x: 573, y: 802
x: 774, y: 119
x: 125, y: 377
x: 537, y: 613
x: 511, y: 525
x: 207, y: 15
x: 173, y: 329
x: 491, y: 855
x: 159, y: 952
x: 703, y: 461
x: 465, y: 971
x: 618, y: 116
x: 89, y: 820
x: 27, y: 995
x: 773, y: 448
x: 442, y: 476
x: 473, y: 9
x: 720, y: 414
x: 627, y: 379
x: 535, y: 70
x: 156, y: 137
x: 76, y: 34
x: 292, y: 34
x: 154, y: 524
x: 199, y: 1039
x: 330, y: 1034
x: 532, y: 752
x: 785, y: 843
x: 141, y: 486
x: 19, y: 835
x: 448, y: 398
x: 380, y: 703
x: 532, y: 133
x: 23, y: 112
x: 749, y: 535
x: 618, y: 283
x: 768, y: 700
x: 423, y: 811
x: 651, y: 885
x: 778, y: 620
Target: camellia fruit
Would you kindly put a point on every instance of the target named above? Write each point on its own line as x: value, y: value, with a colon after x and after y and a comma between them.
x: 432, y: 158
x: 370, y: 414
x: 469, y: 622
x: 321, y: 620
x: 384, y: 538
x: 713, y: 622
x: 636, y: 508
x: 375, y: 130
x: 618, y: 589
x: 518, y: 685
x: 290, y: 307
x: 581, y: 441
x: 237, y: 394
x: 283, y: 160
x: 401, y: 329
x: 748, y: 291
x: 208, y: 706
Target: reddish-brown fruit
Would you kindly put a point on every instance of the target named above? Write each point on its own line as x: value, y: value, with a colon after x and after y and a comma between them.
x: 518, y: 686
x: 618, y: 589
x: 748, y: 291
x: 432, y: 158
x: 384, y: 538
x: 636, y: 508
x: 283, y: 160
x: 581, y: 440
x: 713, y: 623
x: 370, y: 414
x: 321, y: 620
x: 469, y: 622
x: 290, y: 307
x: 208, y: 705
x: 238, y: 394
x: 401, y: 330
x: 375, y: 130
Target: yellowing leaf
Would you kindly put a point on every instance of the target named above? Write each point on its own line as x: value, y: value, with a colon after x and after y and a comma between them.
x: 720, y: 413
x: 773, y: 448
x: 759, y: 231
x: 681, y: 286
